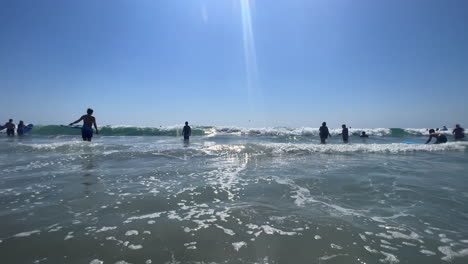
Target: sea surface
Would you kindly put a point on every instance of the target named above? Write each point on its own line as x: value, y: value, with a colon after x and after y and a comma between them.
x: 232, y: 195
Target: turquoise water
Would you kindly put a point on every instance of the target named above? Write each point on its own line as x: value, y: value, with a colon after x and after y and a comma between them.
x: 232, y: 195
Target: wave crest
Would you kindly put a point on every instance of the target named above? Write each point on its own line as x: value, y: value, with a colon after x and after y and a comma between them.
x: 231, y: 131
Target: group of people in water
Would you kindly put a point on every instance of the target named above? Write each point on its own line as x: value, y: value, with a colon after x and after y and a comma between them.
x: 10, y: 128
x: 89, y: 121
x: 458, y: 134
x: 325, y: 133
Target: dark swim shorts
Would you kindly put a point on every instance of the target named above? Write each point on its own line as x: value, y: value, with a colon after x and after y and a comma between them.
x: 86, y: 132
x: 10, y: 132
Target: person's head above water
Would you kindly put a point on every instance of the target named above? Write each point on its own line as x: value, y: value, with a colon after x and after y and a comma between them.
x: 343, y: 126
x: 11, y: 120
x: 457, y: 125
x: 324, y: 123
x: 21, y: 122
x: 186, y: 123
x: 363, y: 132
x: 431, y: 131
x: 89, y: 111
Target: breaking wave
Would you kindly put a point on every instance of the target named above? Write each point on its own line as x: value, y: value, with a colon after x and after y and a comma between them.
x: 232, y: 131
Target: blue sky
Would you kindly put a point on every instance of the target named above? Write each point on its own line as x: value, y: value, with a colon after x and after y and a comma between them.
x: 366, y: 63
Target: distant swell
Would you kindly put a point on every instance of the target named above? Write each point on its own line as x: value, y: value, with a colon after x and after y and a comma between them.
x: 232, y: 131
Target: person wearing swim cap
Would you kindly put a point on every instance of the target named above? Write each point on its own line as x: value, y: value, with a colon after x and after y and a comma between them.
x: 440, y: 137
x: 88, y: 121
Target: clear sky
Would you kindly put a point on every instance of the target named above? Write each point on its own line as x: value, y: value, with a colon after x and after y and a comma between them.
x: 366, y: 63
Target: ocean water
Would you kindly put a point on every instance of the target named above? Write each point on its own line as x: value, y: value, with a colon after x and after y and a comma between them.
x: 232, y: 195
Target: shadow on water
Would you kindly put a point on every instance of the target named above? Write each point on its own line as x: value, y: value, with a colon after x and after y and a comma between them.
x: 88, y: 165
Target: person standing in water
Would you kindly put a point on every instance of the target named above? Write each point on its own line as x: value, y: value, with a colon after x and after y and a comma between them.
x: 324, y: 133
x: 187, y: 131
x: 88, y: 122
x: 345, y: 133
x: 458, y: 132
x: 20, y: 128
x: 10, y: 127
x: 440, y: 137
x: 364, y: 135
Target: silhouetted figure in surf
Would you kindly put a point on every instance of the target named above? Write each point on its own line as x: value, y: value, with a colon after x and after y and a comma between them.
x: 345, y: 133
x: 10, y: 127
x: 364, y: 135
x: 458, y: 132
x: 440, y: 138
x: 187, y: 131
x: 444, y: 128
x: 88, y: 121
x: 324, y: 133
x: 20, y: 128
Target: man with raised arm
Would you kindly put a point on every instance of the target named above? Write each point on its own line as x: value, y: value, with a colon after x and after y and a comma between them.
x: 88, y: 122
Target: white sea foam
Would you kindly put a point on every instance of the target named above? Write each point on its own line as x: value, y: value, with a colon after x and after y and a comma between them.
x: 284, y: 148
x: 389, y: 258
x: 302, y: 196
x: 450, y: 254
x: 326, y: 257
x: 106, y: 228
x: 271, y: 230
x: 66, y: 144
x: 427, y: 252
x: 69, y: 236
x: 135, y: 247
x: 131, y: 233
x: 371, y: 250
x: 411, y: 236
x: 226, y: 230
x: 147, y: 216
x: 292, y: 132
x: 238, y: 245
x: 26, y: 234
x: 335, y: 246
